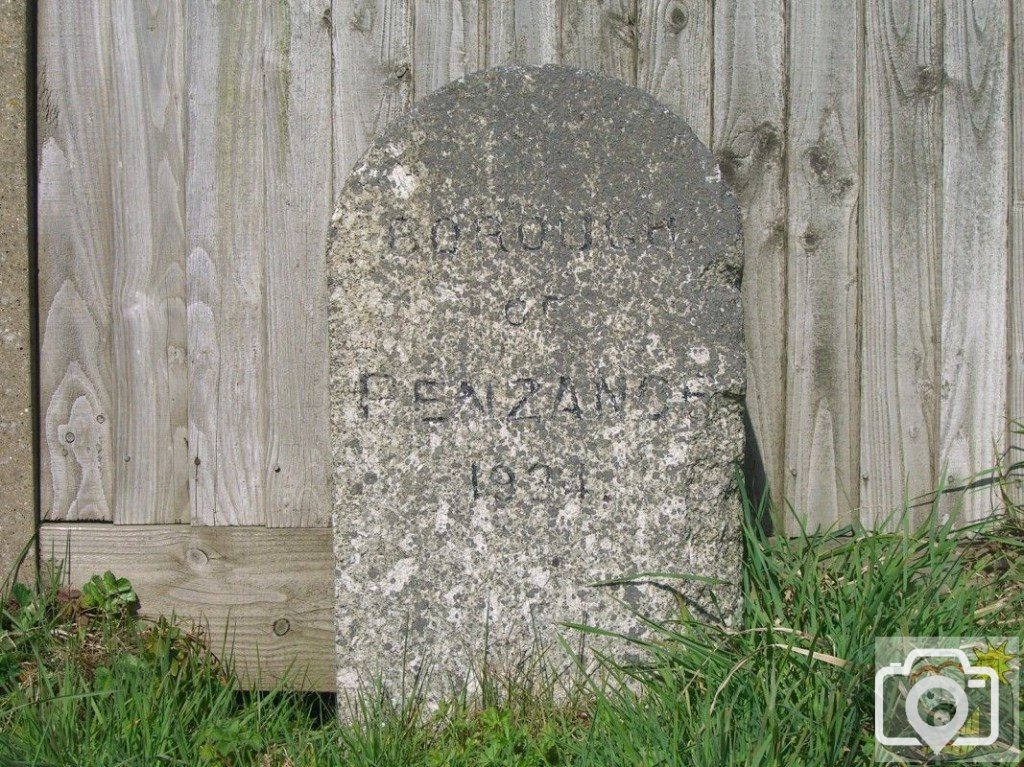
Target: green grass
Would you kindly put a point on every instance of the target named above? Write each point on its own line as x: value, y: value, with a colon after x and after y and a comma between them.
x: 82, y: 682
x: 708, y: 696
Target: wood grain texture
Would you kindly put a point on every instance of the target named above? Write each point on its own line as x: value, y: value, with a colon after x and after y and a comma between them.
x: 899, y: 365
x: 297, y: 136
x: 973, y: 365
x: 600, y: 35
x: 150, y: 441
x: 900, y: 254
x: 823, y: 158
x: 501, y: 32
x: 225, y: 229
x: 75, y: 260
x: 1015, y: 397
x: 537, y: 31
x: 267, y: 594
x: 373, y: 80
x: 750, y: 143
x: 675, y: 58
x: 450, y: 42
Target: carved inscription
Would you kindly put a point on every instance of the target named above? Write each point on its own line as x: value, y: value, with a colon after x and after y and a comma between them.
x: 537, y: 481
x: 530, y: 397
x: 525, y: 398
x: 518, y: 310
x: 449, y: 234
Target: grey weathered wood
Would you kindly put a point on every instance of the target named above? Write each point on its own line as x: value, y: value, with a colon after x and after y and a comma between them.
x: 262, y: 595
x: 823, y: 166
x: 450, y: 42
x: 900, y: 254
x: 372, y: 51
x: 973, y: 365
x: 1016, y: 284
x: 920, y: 376
x: 150, y: 445
x: 75, y: 264
x: 501, y: 33
x: 297, y: 143
x: 225, y: 231
x: 675, y: 50
x: 749, y: 142
x: 600, y: 35
x: 537, y: 31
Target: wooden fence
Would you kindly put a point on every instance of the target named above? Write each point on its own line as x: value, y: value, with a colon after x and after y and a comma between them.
x: 189, y: 152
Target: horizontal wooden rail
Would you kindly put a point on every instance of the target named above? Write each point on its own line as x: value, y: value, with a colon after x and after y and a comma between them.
x: 264, y: 595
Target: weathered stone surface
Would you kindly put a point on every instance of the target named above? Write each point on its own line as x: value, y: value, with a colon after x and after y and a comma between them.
x: 536, y: 371
x: 17, y: 511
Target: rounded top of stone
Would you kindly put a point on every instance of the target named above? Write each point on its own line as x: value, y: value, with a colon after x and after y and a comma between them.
x: 568, y: 87
x: 548, y: 110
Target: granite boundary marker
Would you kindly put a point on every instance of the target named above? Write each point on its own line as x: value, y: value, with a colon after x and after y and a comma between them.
x: 537, y: 373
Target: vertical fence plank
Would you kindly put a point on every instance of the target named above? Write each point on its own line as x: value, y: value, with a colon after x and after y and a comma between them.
x: 974, y: 240
x: 150, y: 452
x: 500, y: 43
x: 297, y: 135
x: 600, y: 35
x: 900, y: 253
x: 75, y: 248
x: 824, y: 167
x: 863, y: 415
x: 372, y: 44
x: 1016, y: 304
x: 450, y: 42
x: 675, y: 51
x: 537, y: 31
x: 749, y: 142
x: 225, y: 227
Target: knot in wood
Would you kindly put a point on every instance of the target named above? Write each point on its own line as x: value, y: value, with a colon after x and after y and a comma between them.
x: 677, y: 18
x: 282, y: 626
